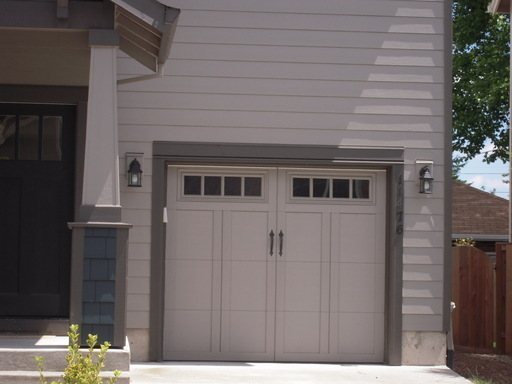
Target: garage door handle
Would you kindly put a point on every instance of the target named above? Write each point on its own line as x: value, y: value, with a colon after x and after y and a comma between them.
x: 281, y: 235
x: 271, y: 242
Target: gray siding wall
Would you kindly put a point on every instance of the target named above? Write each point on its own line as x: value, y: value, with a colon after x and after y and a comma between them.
x: 352, y: 72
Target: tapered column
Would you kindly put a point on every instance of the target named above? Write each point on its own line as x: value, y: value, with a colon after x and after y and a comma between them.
x: 100, y: 239
x: 100, y: 194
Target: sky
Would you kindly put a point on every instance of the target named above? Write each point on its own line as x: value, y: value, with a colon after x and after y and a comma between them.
x: 488, y: 176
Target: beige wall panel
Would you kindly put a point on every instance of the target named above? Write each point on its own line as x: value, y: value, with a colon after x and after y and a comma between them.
x: 142, y: 119
x: 423, y: 239
x: 422, y: 323
x: 360, y: 7
x: 422, y: 306
x: 127, y: 145
x: 426, y: 289
x: 424, y: 223
x: 137, y: 302
x: 136, y: 216
x: 435, y: 154
x: 330, y: 22
x: 137, y: 319
x: 266, y: 103
x: 139, y: 251
x: 411, y: 188
x: 416, y: 272
x: 309, y: 38
x: 138, y: 268
x: 417, y: 205
x: 296, y: 70
x: 136, y: 200
x: 331, y: 55
x: 288, y: 136
x: 140, y: 234
x: 427, y: 256
x: 306, y: 71
x: 283, y: 87
x: 137, y: 285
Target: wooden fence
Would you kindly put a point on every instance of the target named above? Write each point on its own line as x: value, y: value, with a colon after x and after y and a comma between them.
x: 482, y: 293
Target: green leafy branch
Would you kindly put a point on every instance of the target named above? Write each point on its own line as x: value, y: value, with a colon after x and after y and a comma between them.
x: 81, y: 369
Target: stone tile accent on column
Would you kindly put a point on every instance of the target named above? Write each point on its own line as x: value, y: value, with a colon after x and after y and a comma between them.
x: 99, y: 283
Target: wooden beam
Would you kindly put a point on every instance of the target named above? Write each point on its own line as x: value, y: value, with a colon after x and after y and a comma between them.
x: 62, y: 9
x: 43, y: 14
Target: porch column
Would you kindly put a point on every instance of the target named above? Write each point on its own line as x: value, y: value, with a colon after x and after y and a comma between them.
x: 100, y: 194
x: 98, y: 273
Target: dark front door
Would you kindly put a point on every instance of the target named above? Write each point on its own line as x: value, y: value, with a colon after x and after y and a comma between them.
x: 37, y: 148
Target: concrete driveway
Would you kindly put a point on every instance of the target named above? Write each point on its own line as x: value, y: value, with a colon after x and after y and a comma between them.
x: 274, y: 373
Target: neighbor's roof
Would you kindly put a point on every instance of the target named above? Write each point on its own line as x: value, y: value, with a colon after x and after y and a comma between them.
x: 499, y: 6
x: 476, y: 212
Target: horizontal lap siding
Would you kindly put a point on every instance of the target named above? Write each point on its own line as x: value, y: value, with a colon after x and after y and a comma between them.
x: 352, y: 72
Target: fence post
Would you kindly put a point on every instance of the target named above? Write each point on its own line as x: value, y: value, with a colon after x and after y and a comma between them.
x: 473, y: 294
x: 508, y: 299
x: 500, y: 297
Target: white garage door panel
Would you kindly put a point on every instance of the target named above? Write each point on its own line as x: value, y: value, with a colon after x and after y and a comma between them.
x: 184, y: 292
x: 195, y: 333
x: 197, y: 227
x: 316, y: 293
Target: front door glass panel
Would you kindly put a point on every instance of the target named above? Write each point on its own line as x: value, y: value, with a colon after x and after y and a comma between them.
x: 31, y: 137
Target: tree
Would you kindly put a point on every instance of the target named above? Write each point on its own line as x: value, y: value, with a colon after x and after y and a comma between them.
x: 481, y: 78
x: 457, y: 164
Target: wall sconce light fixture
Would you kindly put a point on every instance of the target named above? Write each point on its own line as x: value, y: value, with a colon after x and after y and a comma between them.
x: 426, y: 180
x: 134, y: 171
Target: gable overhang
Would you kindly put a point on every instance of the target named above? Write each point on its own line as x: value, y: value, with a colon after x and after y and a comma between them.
x: 499, y: 6
x: 146, y: 30
x: 481, y: 237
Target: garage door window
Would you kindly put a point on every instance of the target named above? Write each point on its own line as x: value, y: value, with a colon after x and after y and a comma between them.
x: 330, y: 188
x: 222, y: 186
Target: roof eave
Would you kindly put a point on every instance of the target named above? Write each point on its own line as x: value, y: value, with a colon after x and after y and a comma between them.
x: 499, y: 6
x: 481, y: 237
x: 146, y: 29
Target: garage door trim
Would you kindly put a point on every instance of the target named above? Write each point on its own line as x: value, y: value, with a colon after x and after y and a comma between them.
x: 390, y: 159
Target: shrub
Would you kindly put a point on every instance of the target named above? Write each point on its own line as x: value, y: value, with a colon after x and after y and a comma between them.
x: 81, y: 369
x: 469, y: 242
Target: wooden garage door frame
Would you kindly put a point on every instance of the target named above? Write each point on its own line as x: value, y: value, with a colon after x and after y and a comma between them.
x: 390, y: 159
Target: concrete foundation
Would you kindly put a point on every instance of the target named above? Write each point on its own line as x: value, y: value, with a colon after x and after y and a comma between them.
x: 423, y: 348
x: 139, y: 344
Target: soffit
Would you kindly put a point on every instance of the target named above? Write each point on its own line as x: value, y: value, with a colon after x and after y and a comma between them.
x: 146, y: 29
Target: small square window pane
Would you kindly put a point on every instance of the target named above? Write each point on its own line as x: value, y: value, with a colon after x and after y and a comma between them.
x: 341, y: 188
x: 361, y: 189
x: 212, y: 185
x: 300, y: 187
x: 252, y: 186
x: 8, y: 137
x: 192, y: 185
x: 232, y: 186
x: 321, y: 188
x: 29, y: 138
x: 52, y: 133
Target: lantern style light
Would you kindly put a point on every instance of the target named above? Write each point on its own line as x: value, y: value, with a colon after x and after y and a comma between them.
x: 426, y: 180
x: 134, y: 174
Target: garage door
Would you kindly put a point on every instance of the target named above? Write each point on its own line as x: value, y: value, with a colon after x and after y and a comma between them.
x: 275, y: 264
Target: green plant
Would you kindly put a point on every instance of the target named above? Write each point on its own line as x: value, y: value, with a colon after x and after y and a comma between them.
x: 477, y: 380
x: 469, y: 242
x: 81, y: 369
